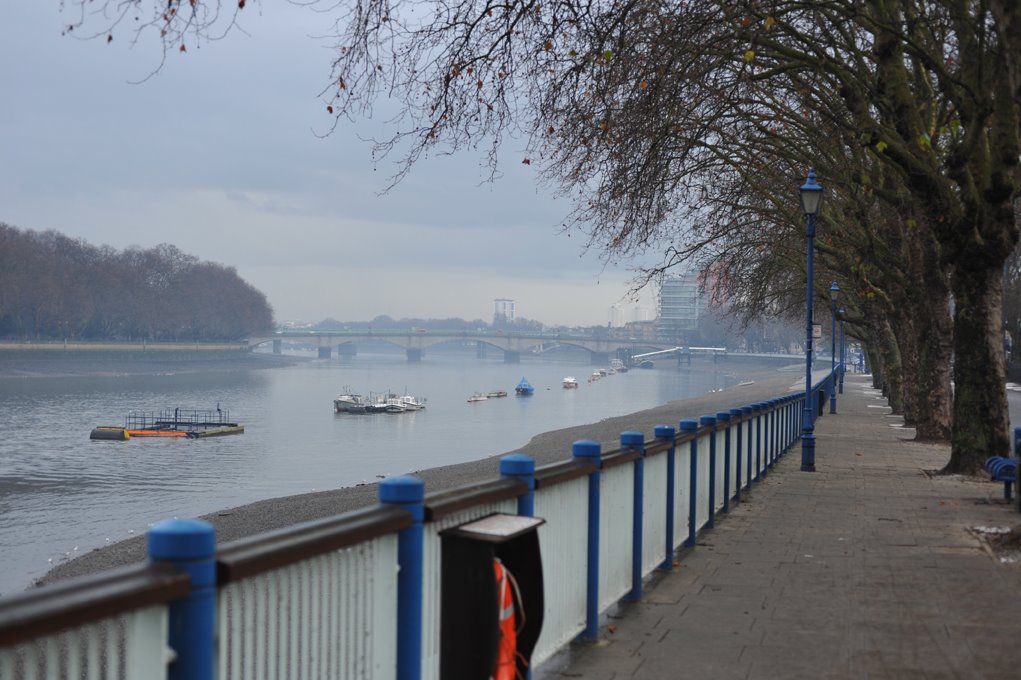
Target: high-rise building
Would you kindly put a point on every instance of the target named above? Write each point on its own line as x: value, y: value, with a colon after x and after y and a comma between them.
x: 503, y: 310
x: 680, y: 307
x: 616, y: 316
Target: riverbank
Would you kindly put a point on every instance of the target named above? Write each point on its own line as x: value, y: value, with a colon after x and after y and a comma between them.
x: 546, y: 448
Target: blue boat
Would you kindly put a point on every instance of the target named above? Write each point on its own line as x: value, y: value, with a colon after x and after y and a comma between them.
x: 524, y: 388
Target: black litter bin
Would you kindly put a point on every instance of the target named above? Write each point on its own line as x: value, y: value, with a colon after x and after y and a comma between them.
x: 469, y: 601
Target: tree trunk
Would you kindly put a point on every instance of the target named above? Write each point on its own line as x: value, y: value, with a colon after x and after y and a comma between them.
x: 893, y: 369
x: 980, y: 398
x: 930, y: 397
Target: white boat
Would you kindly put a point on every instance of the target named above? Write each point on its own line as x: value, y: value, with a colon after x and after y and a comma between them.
x: 570, y: 382
x: 349, y: 403
x: 412, y: 403
x: 618, y: 365
x: 477, y: 396
x: 596, y: 375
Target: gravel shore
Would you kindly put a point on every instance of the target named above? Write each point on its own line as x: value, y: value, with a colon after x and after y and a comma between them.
x: 547, y: 448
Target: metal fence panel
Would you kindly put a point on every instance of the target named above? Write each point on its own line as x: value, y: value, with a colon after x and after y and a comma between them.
x: 654, y: 513
x: 330, y: 616
x: 615, y: 532
x: 130, y: 646
x: 563, y: 543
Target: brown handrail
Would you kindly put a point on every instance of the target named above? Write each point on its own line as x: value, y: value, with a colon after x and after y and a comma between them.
x: 255, y: 555
x: 72, y: 603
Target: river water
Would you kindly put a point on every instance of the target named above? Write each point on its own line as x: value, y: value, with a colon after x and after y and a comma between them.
x: 62, y: 495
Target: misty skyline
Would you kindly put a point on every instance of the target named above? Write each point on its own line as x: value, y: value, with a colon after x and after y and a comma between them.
x: 218, y: 154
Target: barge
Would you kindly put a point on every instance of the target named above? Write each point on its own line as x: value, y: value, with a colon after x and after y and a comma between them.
x: 190, y: 423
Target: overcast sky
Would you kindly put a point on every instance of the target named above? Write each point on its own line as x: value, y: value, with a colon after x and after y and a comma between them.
x: 217, y: 154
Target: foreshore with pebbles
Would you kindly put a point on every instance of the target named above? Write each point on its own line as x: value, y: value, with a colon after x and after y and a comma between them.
x: 546, y: 448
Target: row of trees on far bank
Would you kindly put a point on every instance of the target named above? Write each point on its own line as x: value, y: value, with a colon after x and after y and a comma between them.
x: 53, y: 287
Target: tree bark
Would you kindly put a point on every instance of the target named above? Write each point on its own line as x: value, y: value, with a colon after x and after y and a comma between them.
x: 980, y: 398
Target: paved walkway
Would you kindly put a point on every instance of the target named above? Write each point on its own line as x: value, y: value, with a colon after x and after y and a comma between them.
x: 867, y: 568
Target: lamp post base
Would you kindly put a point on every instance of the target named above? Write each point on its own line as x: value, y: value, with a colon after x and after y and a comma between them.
x: 808, y: 452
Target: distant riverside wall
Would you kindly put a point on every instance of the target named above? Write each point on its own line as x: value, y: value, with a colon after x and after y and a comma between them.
x: 109, y: 346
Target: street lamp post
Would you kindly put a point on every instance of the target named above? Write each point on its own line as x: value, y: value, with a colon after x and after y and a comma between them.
x: 842, y: 313
x: 811, y: 198
x: 834, y: 294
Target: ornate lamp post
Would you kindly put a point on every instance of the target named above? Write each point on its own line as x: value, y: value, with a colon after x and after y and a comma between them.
x: 811, y: 199
x: 834, y: 294
x: 842, y: 313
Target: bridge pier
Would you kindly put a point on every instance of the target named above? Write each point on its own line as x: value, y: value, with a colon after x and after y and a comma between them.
x: 414, y: 355
x: 348, y: 349
x: 480, y: 350
x: 278, y: 347
x: 325, y: 352
x: 600, y: 358
x: 511, y: 357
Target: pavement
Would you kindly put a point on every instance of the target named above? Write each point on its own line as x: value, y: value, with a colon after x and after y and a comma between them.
x: 873, y: 566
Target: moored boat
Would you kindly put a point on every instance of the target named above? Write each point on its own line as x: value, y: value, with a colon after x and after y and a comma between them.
x: 349, y: 402
x: 496, y: 394
x: 570, y: 382
x: 412, y: 403
x: 477, y: 396
x: 524, y: 388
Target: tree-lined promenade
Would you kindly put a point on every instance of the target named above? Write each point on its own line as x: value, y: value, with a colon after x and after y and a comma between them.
x: 683, y: 129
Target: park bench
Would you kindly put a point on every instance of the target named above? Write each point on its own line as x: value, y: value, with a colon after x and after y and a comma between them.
x: 1002, y: 469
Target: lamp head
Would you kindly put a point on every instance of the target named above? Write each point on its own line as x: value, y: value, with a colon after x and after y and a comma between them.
x: 811, y: 195
x: 834, y: 291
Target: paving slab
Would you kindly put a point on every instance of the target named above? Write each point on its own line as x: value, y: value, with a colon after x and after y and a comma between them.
x: 870, y: 567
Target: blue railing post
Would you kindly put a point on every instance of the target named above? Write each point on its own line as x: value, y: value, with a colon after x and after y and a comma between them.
x: 773, y: 445
x: 408, y: 493
x: 736, y: 414
x: 724, y: 417
x: 521, y: 467
x: 691, y: 426
x: 190, y: 546
x: 710, y: 421
x: 758, y: 441
x: 749, y: 449
x: 670, y: 434
x: 589, y: 450
x: 636, y: 441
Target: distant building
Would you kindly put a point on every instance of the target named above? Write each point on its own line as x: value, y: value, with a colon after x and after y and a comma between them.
x: 503, y: 311
x: 680, y: 307
x: 616, y: 316
x: 641, y: 331
x: 621, y: 315
x: 640, y: 313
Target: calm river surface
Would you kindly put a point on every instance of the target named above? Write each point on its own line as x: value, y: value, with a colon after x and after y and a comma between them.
x: 62, y: 495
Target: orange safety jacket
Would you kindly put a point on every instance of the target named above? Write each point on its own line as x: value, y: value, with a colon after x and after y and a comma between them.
x: 506, y: 665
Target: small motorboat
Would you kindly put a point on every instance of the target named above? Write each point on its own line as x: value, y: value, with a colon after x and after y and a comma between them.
x: 477, y: 396
x: 570, y: 382
x: 496, y: 394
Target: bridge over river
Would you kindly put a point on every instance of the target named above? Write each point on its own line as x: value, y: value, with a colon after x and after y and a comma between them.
x: 513, y: 344
x: 416, y: 341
